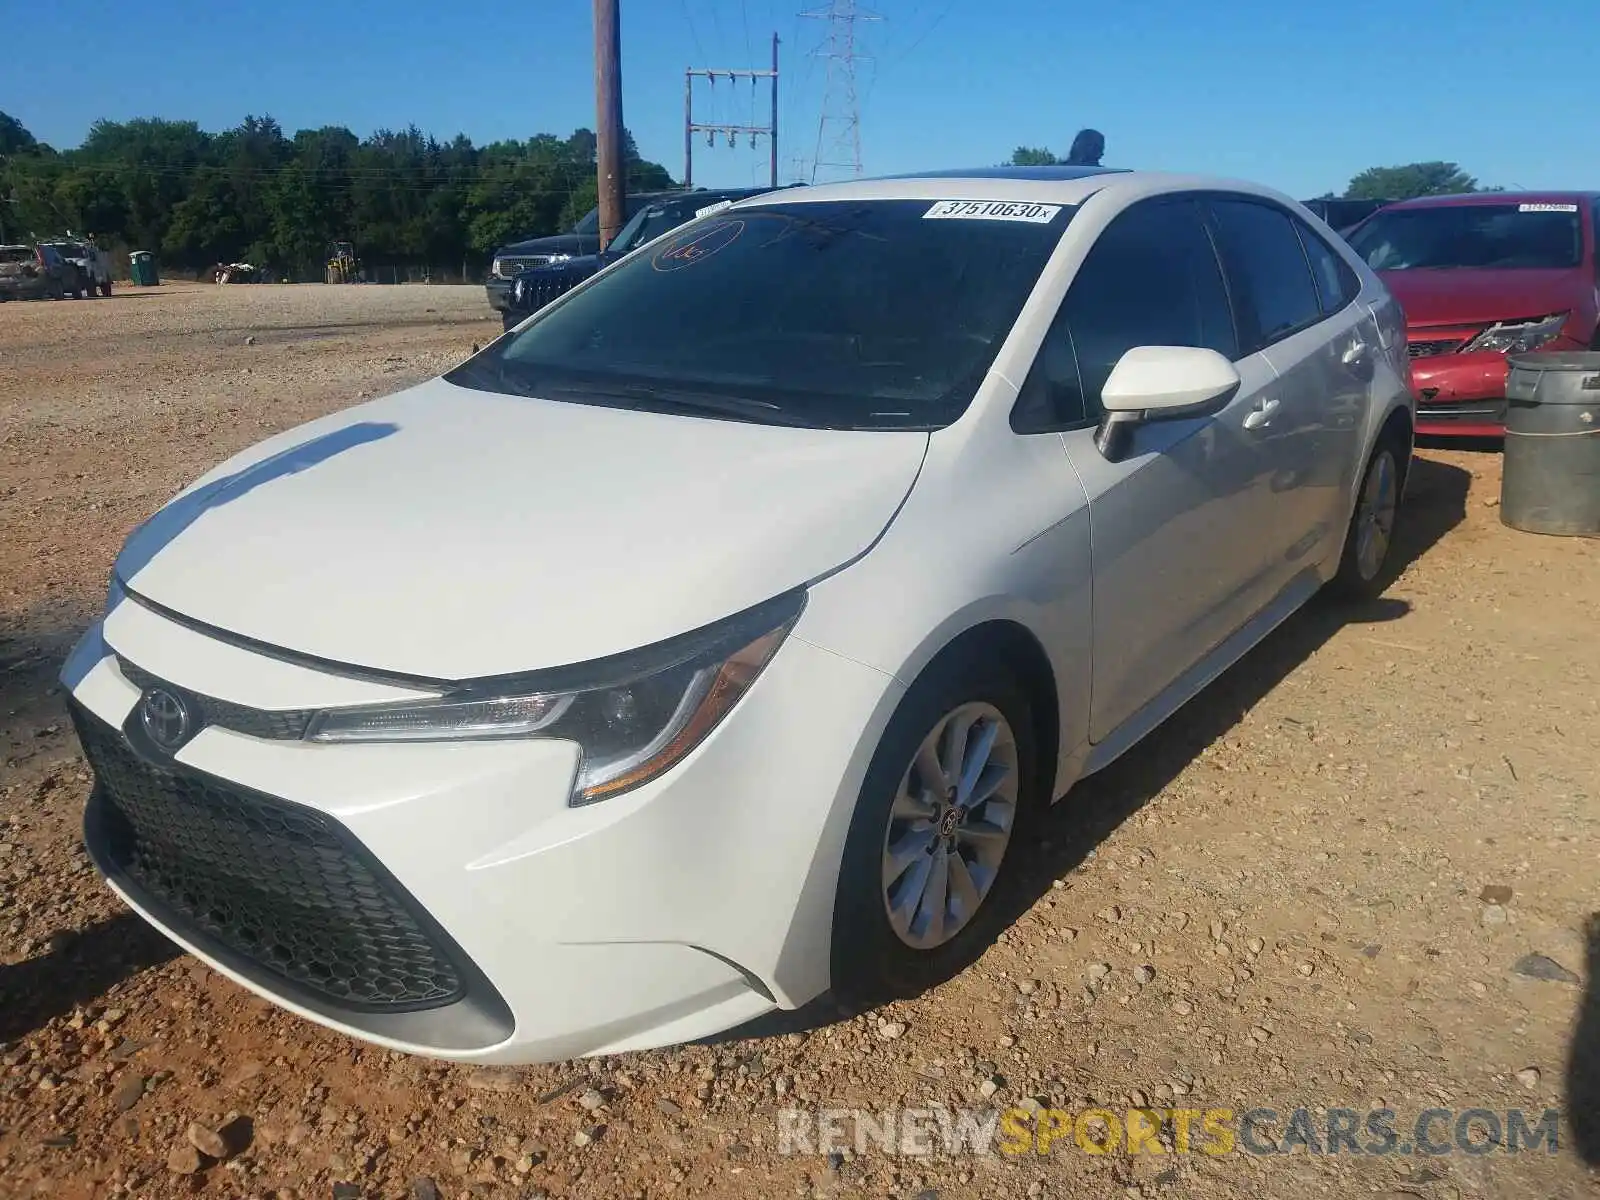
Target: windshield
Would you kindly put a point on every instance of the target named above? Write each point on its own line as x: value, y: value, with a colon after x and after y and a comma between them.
x: 16, y: 254
x: 1472, y: 236
x: 69, y: 249
x: 841, y: 314
x: 589, y: 224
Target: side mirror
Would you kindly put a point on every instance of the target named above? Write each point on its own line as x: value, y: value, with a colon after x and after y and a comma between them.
x: 1153, y: 383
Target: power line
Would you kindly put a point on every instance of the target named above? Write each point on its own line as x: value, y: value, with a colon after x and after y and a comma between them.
x: 731, y: 130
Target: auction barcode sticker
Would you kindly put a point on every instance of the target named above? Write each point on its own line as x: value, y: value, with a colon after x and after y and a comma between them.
x: 992, y: 210
x: 713, y: 208
x: 1547, y: 208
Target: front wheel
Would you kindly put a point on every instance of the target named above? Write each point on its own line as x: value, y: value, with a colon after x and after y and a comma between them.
x: 933, y: 842
x: 1368, y: 564
x: 105, y: 287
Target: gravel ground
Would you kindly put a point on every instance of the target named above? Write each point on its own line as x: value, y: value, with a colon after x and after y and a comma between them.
x: 1355, y: 873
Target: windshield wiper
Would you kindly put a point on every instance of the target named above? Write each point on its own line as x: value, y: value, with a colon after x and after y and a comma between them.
x: 686, y: 400
x: 709, y: 403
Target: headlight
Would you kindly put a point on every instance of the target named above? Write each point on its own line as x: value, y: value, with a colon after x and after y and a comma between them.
x: 1517, y: 336
x: 632, y: 717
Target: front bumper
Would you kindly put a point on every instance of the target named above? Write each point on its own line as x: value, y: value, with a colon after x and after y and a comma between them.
x: 499, y: 293
x: 1460, y: 395
x: 1464, y: 395
x: 685, y: 907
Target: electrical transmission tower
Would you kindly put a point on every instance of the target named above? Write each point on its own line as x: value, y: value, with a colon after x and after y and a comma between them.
x: 839, y: 128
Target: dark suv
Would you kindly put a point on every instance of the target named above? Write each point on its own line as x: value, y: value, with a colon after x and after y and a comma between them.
x: 582, y: 239
x: 1344, y: 215
x: 533, y: 287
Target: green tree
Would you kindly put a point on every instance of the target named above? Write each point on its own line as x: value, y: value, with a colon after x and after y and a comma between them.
x: 14, y: 139
x: 1411, y: 180
x: 405, y: 198
x: 1033, y: 156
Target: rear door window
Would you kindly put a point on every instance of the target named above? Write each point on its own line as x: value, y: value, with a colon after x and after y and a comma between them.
x: 1269, y: 277
x: 1337, y: 284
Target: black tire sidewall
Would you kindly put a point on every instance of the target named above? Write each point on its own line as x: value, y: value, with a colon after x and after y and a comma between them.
x: 871, y: 964
x: 1349, y: 581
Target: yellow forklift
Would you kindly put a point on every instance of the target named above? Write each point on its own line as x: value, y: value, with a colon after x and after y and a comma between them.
x: 342, y: 265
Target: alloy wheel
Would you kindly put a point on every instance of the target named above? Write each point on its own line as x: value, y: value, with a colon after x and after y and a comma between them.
x: 950, y: 825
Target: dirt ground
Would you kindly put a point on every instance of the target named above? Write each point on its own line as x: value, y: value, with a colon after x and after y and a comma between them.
x: 1317, y: 887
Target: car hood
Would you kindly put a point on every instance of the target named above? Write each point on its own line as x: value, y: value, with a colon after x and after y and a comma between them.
x: 1468, y: 297
x: 582, y: 265
x: 451, y: 533
x: 555, y: 243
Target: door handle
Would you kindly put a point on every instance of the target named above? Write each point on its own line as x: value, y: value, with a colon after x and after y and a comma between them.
x: 1355, y: 355
x: 1260, y: 416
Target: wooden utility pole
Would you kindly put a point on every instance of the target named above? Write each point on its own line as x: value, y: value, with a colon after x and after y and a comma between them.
x: 611, y: 169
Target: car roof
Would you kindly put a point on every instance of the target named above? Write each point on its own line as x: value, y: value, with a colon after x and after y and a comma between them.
x: 1478, y: 198
x: 1038, y: 185
x: 699, y: 194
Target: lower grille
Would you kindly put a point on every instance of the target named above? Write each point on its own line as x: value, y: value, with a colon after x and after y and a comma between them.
x: 539, y: 292
x: 1434, y: 348
x: 280, y: 886
x: 1470, y: 412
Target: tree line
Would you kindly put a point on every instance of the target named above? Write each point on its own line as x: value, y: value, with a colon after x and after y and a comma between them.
x: 255, y: 194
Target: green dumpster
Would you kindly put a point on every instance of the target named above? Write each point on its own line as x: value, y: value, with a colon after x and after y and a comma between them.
x: 142, y: 265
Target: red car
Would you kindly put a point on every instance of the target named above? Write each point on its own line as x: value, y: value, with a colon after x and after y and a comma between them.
x: 1479, y: 277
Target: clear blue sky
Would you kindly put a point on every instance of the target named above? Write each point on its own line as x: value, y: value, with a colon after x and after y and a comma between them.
x: 1297, y: 96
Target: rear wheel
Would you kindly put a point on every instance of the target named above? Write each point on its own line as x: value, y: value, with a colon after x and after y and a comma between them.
x: 105, y: 286
x: 1368, y: 564
x: 933, y: 842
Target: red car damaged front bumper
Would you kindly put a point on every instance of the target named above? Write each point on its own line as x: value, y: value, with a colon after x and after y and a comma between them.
x: 1463, y: 395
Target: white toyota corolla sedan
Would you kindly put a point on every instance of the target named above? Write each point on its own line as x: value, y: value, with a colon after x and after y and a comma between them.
x: 713, y: 638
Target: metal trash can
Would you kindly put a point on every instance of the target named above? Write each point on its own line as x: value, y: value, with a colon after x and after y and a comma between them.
x: 1550, y: 478
x: 142, y: 266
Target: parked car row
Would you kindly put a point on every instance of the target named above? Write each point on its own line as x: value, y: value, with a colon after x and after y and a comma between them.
x: 37, y: 273
x: 54, y: 270
x: 599, y: 693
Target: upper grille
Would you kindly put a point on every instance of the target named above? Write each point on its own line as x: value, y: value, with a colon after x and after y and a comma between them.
x: 284, y: 724
x: 510, y: 266
x: 1432, y: 348
x: 281, y: 886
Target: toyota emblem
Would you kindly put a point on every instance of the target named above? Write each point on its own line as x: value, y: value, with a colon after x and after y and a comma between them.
x: 165, y: 718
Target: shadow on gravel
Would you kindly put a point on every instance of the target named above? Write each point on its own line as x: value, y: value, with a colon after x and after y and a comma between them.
x: 1435, y: 504
x: 1583, y: 1068
x: 77, y: 969
x: 1477, y: 445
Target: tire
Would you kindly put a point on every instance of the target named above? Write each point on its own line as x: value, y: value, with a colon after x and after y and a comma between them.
x: 105, y: 287
x: 872, y: 961
x: 1368, y: 564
